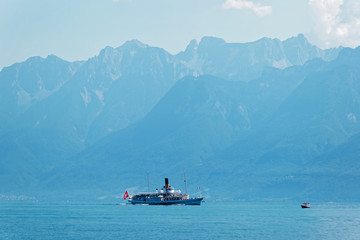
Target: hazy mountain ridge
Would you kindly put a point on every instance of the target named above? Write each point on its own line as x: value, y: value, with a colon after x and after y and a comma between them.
x: 246, y: 61
x: 206, y: 125
x: 135, y: 61
x: 24, y: 84
x: 128, y: 106
x: 313, y: 122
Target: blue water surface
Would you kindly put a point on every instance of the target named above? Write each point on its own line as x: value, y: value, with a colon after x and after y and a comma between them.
x: 240, y: 220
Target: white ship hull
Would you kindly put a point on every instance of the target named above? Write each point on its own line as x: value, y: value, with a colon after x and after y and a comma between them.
x: 191, y: 201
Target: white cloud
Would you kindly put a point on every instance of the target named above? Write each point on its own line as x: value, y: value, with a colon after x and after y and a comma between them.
x: 255, y: 7
x: 337, y: 23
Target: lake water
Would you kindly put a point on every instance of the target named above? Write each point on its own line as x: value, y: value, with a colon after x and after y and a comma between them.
x: 241, y: 220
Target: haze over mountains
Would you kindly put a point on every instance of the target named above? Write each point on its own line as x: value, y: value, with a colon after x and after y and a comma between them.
x: 268, y: 119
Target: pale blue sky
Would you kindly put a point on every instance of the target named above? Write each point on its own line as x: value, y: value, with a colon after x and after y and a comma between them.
x: 79, y: 29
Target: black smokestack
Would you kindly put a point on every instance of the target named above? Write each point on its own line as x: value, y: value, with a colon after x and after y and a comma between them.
x: 166, y: 183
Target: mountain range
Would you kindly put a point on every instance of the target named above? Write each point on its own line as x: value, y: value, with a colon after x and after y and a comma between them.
x: 268, y: 119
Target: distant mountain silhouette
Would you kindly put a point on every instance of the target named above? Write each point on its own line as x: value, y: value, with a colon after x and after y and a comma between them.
x: 246, y: 61
x: 270, y: 117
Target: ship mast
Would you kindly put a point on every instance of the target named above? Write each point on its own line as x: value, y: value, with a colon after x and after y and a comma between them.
x: 185, y: 183
x: 148, y: 182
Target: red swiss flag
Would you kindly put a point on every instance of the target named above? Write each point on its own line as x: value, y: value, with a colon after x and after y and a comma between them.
x: 126, y: 195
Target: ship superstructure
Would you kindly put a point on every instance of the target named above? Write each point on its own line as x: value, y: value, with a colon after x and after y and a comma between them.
x: 165, y: 196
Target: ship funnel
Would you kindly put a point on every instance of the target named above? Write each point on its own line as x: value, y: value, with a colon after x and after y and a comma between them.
x: 167, y: 183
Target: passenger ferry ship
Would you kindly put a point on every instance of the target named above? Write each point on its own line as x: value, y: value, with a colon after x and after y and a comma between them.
x: 166, y: 196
